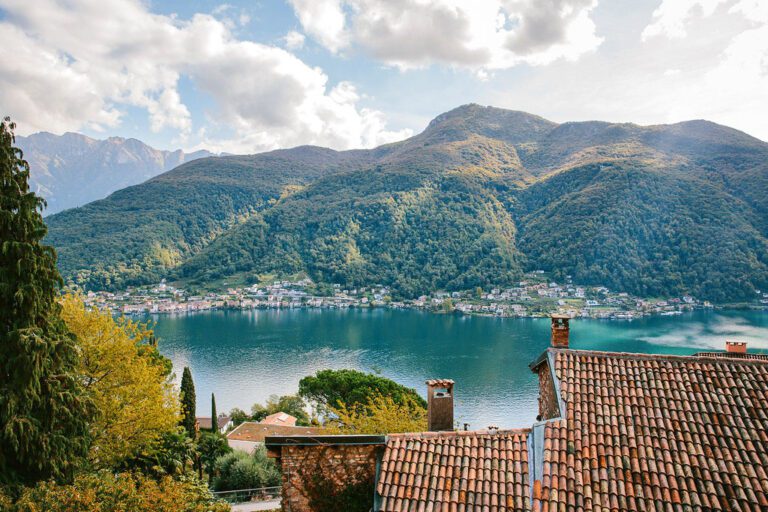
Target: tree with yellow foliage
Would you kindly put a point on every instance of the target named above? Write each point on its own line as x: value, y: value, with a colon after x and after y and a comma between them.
x: 379, y: 415
x: 127, y: 379
x: 105, y: 491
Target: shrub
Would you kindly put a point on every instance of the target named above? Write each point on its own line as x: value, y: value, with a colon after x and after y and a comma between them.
x: 126, y: 492
x: 239, y: 470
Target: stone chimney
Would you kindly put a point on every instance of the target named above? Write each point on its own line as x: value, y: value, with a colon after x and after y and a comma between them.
x: 439, y: 405
x: 736, y: 347
x: 560, y: 330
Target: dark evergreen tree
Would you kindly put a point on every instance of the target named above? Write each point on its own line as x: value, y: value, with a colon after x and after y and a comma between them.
x: 210, y: 447
x: 188, y: 401
x: 43, y: 409
x: 214, y: 417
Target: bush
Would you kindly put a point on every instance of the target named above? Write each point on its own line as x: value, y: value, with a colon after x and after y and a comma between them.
x: 238, y: 470
x: 126, y: 492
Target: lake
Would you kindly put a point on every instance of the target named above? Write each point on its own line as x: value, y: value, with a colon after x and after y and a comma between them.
x: 245, y: 356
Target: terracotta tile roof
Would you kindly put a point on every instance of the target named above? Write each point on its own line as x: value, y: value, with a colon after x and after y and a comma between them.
x: 440, y: 382
x: 279, y: 418
x: 655, y: 433
x: 476, y: 471
x: 256, y: 432
x: 734, y: 355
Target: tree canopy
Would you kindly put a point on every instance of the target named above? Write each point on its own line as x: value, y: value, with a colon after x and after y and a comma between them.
x: 379, y: 415
x: 44, y: 410
x: 125, y: 377
x: 350, y: 388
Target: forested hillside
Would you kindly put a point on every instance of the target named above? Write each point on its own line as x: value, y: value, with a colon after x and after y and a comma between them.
x: 482, y: 195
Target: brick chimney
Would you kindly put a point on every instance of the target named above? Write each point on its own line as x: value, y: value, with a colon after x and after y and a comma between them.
x: 439, y: 405
x: 560, y: 330
x: 736, y: 347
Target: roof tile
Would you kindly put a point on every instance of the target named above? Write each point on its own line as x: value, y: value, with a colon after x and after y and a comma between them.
x: 462, y: 471
x: 657, y: 433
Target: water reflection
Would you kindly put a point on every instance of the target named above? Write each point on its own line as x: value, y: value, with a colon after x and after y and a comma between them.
x: 246, y: 356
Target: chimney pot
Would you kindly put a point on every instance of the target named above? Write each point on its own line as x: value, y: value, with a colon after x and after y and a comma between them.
x: 560, y: 330
x: 736, y: 347
x: 439, y: 405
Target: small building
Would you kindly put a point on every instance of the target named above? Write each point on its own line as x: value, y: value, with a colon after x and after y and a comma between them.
x: 203, y: 423
x: 279, y: 418
x: 249, y: 435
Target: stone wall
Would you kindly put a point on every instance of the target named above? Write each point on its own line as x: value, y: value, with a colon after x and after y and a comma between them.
x: 334, y: 467
x: 548, y: 404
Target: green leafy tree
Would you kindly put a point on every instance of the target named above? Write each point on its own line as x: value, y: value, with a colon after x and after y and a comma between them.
x: 332, y: 389
x: 188, y: 401
x: 238, y: 416
x: 43, y: 409
x: 214, y: 416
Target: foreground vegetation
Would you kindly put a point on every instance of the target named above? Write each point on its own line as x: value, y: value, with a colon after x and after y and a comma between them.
x: 88, y: 418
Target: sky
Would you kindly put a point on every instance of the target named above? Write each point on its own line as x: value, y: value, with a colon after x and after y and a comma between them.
x: 247, y: 76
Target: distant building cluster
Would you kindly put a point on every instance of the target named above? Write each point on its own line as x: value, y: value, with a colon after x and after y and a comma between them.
x: 535, y: 296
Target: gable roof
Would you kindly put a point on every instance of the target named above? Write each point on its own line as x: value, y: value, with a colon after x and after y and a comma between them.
x: 256, y: 432
x: 468, y: 471
x: 646, y: 432
x: 279, y: 418
x: 204, y: 422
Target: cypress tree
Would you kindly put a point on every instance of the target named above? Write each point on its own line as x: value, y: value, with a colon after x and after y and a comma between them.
x: 214, y: 417
x: 188, y: 402
x: 43, y: 407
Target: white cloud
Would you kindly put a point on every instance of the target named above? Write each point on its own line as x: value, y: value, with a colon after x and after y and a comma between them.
x: 481, y: 35
x: 671, y: 17
x: 733, y: 89
x: 324, y: 20
x: 294, y: 40
x: 75, y: 64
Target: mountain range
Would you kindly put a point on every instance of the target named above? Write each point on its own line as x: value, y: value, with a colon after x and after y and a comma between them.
x: 479, y: 197
x: 71, y: 170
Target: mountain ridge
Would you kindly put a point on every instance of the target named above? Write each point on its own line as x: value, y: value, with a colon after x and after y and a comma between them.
x: 480, y: 196
x: 72, y: 169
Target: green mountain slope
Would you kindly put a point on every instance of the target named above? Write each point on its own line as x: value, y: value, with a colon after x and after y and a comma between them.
x: 138, y: 234
x: 649, y: 232
x: 480, y: 196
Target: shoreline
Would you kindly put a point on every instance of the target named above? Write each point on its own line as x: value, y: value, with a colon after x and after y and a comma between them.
x: 617, y: 315
x: 536, y: 296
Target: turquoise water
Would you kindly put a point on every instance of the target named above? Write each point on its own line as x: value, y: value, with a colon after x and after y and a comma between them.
x: 246, y: 356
